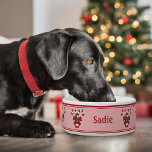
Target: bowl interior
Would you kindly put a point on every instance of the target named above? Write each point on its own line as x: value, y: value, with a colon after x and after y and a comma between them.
x: 119, y: 101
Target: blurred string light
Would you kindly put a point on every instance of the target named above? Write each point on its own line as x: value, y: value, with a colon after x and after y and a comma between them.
x: 135, y: 24
x: 122, y: 6
x: 125, y: 72
x: 119, y: 39
x: 103, y: 27
x: 137, y: 81
x: 103, y: 36
x: 108, y: 45
x: 89, y: 29
x: 150, y: 54
x: 106, y: 60
x: 123, y: 81
x: 146, y: 68
x: 111, y: 38
x: 120, y: 21
x: 146, y: 17
x: 117, y: 5
x: 96, y: 38
x: 108, y: 78
x: 132, y: 11
x: 94, y: 10
x: 112, y: 54
x: 94, y: 17
x: 117, y: 72
x: 132, y: 41
x: 137, y: 75
x: 110, y: 73
x: 134, y: 76
x: 105, y: 64
x: 129, y: 12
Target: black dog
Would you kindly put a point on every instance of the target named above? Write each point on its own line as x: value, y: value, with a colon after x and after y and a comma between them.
x: 60, y: 59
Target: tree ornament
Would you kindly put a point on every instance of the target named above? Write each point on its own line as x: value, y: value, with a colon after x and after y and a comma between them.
x: 107, y: 6
x: 125, y: 19
x: 127, y: 61
x: 128, y: 37
x: 86, y: 17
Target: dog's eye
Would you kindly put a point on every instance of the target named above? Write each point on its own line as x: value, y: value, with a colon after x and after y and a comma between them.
x: 89, y: 61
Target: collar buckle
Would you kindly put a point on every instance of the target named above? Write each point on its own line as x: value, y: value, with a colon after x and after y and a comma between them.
x: 39, y: 93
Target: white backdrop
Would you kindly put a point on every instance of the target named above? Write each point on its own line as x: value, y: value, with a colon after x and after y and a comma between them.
x: 51, y: 14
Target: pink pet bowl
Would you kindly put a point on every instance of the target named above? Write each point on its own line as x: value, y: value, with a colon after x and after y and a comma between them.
x: 99, y: 118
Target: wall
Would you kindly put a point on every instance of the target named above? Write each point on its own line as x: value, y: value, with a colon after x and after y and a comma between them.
x: 16, y: 19
x: 51, y: 14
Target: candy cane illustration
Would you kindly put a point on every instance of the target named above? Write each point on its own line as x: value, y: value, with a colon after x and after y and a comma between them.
x: 125, y: 113
x: 77, y: 117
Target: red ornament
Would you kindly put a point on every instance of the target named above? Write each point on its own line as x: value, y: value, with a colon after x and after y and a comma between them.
x: 106, y: 6
x: 128, y: 37
x: 125, y: 19
x: 127, y: 61
x: 86, y: 17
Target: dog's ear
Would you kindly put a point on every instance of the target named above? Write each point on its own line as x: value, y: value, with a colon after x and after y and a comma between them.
x: 53, y: 53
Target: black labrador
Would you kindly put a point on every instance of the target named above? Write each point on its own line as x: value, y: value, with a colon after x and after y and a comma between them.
x: 60, y: 59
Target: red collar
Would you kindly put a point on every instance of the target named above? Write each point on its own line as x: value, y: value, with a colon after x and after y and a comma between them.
x: 28, y: 77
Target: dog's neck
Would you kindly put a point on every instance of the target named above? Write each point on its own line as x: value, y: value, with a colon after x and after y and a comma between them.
x: 28, y: 77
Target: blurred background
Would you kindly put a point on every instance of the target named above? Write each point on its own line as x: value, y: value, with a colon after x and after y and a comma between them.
x: 122, y: 28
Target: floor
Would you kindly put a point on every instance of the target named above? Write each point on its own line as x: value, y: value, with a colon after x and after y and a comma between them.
x: 139, y: 141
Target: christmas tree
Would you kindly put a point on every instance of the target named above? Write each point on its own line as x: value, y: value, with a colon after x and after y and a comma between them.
x: 124, y: 36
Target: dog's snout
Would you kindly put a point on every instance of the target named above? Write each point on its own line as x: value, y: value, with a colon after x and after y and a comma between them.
x: 110, y: 97
x: 109, y: 94
x: 106, y: 94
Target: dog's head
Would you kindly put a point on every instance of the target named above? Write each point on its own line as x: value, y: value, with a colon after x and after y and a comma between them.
x: 74, y: 61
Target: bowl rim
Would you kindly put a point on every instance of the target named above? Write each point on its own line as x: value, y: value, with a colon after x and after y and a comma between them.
x: 74, y: 101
